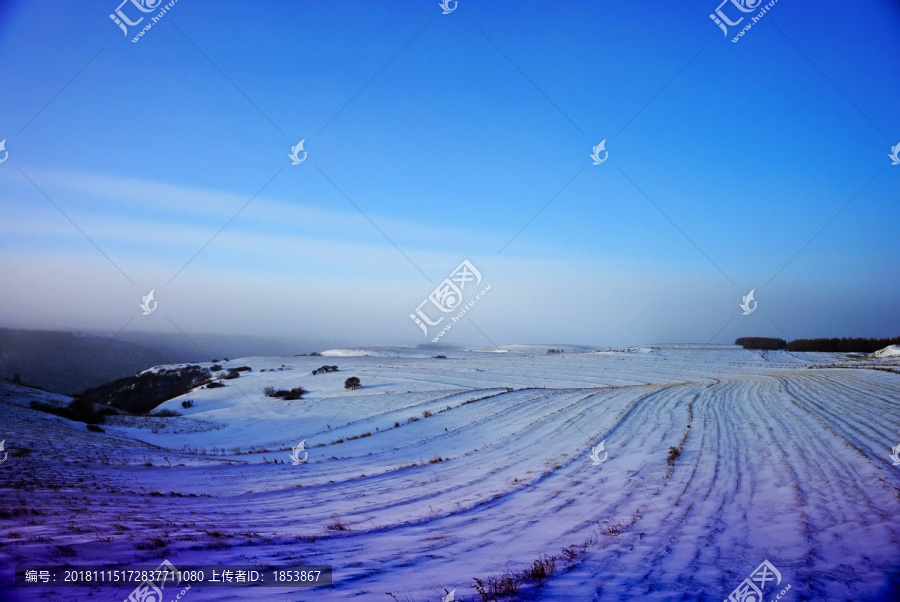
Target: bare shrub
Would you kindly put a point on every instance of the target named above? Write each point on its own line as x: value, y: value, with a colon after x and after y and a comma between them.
x: 611, y: 527
x: 674, y: 454
x: 337, y: 524
x: 541, y: 569
x: 495, y: 587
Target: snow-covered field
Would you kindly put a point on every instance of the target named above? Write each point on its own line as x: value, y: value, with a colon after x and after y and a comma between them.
x: 447, y: 470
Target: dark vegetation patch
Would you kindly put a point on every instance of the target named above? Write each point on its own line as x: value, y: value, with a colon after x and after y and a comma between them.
x: 138, y: 394
x: 142, y: 393
x: 832, y: 345
x: 765, y: 343
x: 845, y: 345
x: 286, y: 394
x: 674, y: 454
x: 77, y: 410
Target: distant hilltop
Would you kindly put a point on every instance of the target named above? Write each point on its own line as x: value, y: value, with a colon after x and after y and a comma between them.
x: 71, y: 362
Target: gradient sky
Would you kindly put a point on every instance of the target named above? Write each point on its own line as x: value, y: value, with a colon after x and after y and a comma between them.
x: 761, y: 164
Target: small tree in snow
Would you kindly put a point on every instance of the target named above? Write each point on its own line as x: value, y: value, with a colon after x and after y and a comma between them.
x: 352, y: 383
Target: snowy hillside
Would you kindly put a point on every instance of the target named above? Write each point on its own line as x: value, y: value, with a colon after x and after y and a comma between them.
x: 440, y: 471
x: 889, y: 351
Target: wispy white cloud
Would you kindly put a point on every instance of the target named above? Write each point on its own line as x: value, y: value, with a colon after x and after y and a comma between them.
x: 168, y: 205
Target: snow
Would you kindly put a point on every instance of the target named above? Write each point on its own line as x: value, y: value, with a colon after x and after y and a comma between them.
x: 23, y: 395
x: 349, y: 353
x: 383, y: 352
x: 450, y: 469
x: 889, y: 351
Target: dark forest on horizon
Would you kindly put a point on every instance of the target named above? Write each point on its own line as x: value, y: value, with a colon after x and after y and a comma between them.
x: 832, y: 345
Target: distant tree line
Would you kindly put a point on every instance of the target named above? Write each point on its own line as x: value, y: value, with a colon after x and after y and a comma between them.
x: 844, y: 345
x: 767, y: 343
x: 833, y: 345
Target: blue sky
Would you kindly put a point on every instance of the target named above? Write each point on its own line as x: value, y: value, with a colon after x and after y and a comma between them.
x: 451, y: 132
